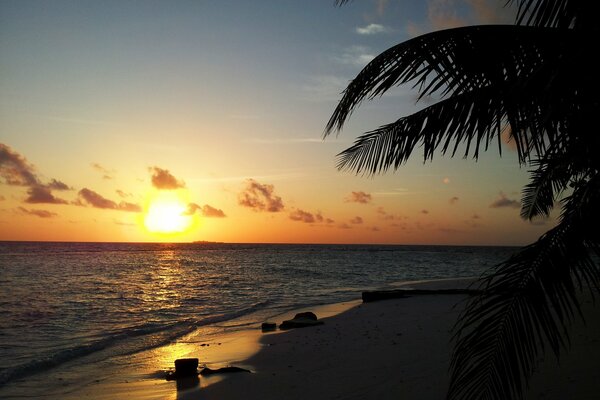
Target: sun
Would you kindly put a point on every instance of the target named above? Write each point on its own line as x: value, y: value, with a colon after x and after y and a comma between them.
x: 166, y: 213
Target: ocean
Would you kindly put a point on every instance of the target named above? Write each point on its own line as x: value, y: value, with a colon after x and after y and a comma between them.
x: 68, y: 305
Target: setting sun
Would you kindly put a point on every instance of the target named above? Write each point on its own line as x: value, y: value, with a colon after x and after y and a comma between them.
x: 166, y: 213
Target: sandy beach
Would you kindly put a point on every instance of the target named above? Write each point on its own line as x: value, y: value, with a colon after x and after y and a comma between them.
x: 388, y: 349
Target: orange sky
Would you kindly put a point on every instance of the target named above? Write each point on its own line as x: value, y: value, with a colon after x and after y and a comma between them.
x: 119, y: 119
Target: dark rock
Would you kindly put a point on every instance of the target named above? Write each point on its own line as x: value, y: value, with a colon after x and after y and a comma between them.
x: 301, y: 320
x: 306, y: 315
x: 186, y: 367
x: 268, y: 326
x: 224, y: 370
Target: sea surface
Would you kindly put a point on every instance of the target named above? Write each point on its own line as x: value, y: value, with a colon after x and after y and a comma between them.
x: 70, y: 303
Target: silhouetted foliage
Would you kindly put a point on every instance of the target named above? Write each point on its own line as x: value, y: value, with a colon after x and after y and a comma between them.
x: 537, y: 80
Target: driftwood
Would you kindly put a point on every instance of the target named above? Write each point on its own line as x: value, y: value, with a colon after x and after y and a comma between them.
x: 377, y: 295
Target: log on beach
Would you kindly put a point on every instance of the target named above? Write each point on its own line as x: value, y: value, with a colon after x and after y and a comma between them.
x: 376, y: 295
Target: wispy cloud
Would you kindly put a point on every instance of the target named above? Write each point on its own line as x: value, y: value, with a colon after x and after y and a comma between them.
x: 359, y: 197
x: 162, y: 179
x: 38, y: 213
x: 206, y: 210
x: 445, y: 14
x: 260, y: 197
x: 106, y: 174
x: 371, y: 29
x: 93, y: 199
x: 355, y: 55
x: 324, y: 88
x: 302, y: 216
x: 453, y: 200
x: 356, y: 220
x: 504, y: 202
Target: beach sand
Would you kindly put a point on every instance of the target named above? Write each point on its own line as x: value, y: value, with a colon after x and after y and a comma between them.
x: 392, y: 349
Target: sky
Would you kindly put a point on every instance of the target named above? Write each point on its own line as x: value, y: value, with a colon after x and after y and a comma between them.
x: 145, y: 121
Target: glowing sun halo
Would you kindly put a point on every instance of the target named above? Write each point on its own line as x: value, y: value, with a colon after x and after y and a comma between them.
x: 167, y: 215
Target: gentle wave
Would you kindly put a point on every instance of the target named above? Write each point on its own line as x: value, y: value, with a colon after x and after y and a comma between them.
x: 172, y: 332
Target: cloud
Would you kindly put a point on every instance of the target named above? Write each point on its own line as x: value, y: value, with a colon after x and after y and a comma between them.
x: 106, y: 174
x: 444, y: 14
x: 355, y: 55
x: 131, y: 207
x: 2, y: 198
x: 16, y: 171
x: 58, y: 185
x: 303, y: 216
x: 14, y: 168
x: 162, y: 179
x: 375, y: 229
x: 356, y: 220
x: 453, y: 200
x: 446, y: 180
x: 260, y: 197
x: 359, y: 197
x: 42, y: 195
x: 424, y: 211
x: 123, y: 194
x: 38, y: 213
x: 344, y: 226
x: 503, y: 201
x: 475, y: 216
x: 206, y: 210
x: 98, y: 201
x: 371, y: 29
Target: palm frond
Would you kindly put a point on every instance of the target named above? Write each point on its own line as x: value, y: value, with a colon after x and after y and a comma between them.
x: 469, y: 118
x: 557, y: 13
x: 528, y: 302
x: 444, y: 62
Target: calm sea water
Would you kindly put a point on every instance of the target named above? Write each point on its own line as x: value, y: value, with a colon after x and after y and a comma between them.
x: 61, y: 302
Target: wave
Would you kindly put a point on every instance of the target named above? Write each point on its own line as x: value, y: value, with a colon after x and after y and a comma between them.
x: 120, y: 342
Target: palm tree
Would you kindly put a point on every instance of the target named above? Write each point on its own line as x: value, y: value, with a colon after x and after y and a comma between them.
x: 537, y: 79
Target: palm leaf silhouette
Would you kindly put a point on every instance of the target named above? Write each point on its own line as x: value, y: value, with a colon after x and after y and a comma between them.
x: 537, y: 79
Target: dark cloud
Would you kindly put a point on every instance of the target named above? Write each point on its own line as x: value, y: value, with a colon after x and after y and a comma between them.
x: 96, y: 200
x: 344, y: 226
x: 131, y: 207
x: 303, y: 216
x: 42, y: 195
x: 356, y: 220
x: 503, y: 201
x: 375, y: 229
x: 211, y: 212
x: 453, y: 200
x: 329, y: 221
x: 58, y: 185
x: 206, y: 210
x: 424, y: 211
x: 162, y: 179
x: 89, y: 197
x: 16, y: 171
x: 260, y: 197
x: 359, y: 197
x: 475, y: 216
x: 14, y: 168
x: 123, y: 194
x: 38, y: 213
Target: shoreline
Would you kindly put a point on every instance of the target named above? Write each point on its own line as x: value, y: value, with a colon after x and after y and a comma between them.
x: 389, y: 349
